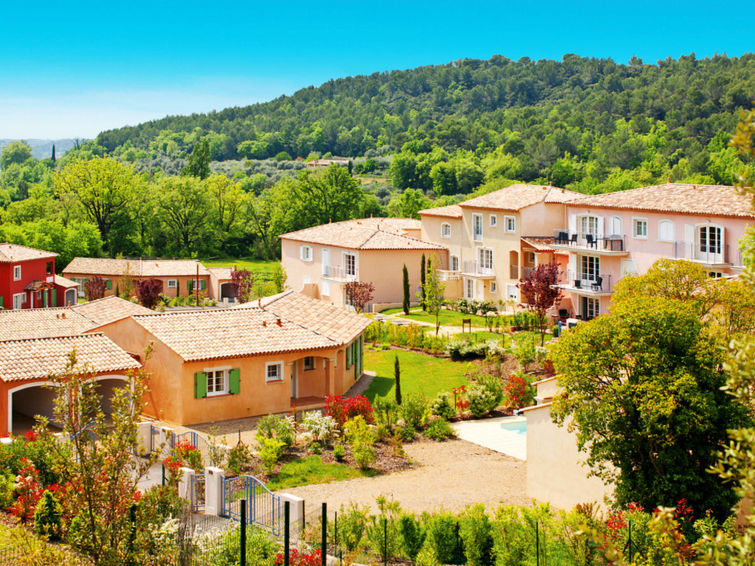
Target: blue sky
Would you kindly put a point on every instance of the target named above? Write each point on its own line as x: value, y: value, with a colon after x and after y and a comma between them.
x: 73, y: 69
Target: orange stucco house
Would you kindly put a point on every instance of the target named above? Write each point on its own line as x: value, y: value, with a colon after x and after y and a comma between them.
x: 264, y: 357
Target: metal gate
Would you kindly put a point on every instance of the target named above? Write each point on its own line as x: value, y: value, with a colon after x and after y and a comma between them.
x: 263, y: 507
x: 197, y: 492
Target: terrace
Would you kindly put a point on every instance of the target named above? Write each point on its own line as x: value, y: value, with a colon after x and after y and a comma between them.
x: 588, y: 284
x: 613, y: 245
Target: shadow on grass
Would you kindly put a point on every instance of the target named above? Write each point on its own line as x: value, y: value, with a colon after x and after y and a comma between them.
x: 380, y: 387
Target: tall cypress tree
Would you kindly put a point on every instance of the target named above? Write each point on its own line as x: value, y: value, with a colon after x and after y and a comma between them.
x: 397, y: 377
x: 52, y: 157
x: 422, y: 278
x: 406, y: 290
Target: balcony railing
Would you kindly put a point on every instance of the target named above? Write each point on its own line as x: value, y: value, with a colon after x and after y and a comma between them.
x: 513, y: 272
x: 613, y: 243
x: 474, y: 268
x: 448, y: 275
x: 691, y: 252
x: 337, y: 272
x: 585, y: 282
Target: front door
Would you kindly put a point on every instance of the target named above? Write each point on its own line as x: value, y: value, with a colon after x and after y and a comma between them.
x: 294, y: 381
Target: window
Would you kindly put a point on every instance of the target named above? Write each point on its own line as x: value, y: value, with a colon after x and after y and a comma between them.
x: 589, y: 267
x: 350, y: 264
x: 454, y: 263
x: 614, y: 226
x: 349, y: 356
x: 477, y: 227
x: 16, y: 272
x: 325, y: 288
x: 512, y: 292
x: 666, y: 231
x: 486, y: 258
x: 306, y: 253
x: 588, y: 225
x: 509, y: 223
x: 217, y: 382
x: 48, y: 268
x: 469, y: 288
x: 273, y: 371
x: 709, y: 239
x: 309, y: 363
x: 493, y: 220
x: 590, y: 308
x: 639, y: 227
x: 493, y: 287
x: 530, y: 256
x: 172, y: 283
x: 18, y: 300
x: 445, y: 230
x: 715, y: 274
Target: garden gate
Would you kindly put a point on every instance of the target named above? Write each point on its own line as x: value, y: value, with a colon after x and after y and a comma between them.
x: 263, y: 507
x: 197, y: 492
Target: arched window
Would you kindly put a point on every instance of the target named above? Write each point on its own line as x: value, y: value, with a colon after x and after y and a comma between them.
x: 666, y: 232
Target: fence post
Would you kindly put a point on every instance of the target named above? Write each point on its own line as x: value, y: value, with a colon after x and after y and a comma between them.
x: 629, y: 541
x: 385, y: 541
x: 286, y: 533
x: 335, y: 538
x: 242, y: 533
x: 163, y: 475
x: 537, y: 543
x: 324, y: 534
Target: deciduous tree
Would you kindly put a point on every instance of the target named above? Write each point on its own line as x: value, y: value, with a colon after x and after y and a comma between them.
x: 95, y: 288
x: 148, y: 291
x: 242, y: 282
x: 359, y: 293
x: 433, y: 294
x: 539, y: 293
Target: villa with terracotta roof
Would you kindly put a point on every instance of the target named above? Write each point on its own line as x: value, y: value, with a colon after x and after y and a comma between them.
x: 258, y: 358
x: 487, y: 250
x: 321, y: 260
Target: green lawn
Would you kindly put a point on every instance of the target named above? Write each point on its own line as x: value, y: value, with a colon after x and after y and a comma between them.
x: 419, y: 373
x: 447, y: 317
x: 311, y: 470
x: 254, y: 265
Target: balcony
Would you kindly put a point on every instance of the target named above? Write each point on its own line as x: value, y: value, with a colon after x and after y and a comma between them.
x: 692, y: 252
x: 589, y: 285
x: 475, y: 269
x: 337, y: 273
x: 607, y: 245
x: 448, y: 275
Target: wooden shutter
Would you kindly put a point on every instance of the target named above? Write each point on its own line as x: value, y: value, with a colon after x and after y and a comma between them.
x: 44, y: 299
x: 109, y: 283
x: 200, y: 385
x: 54, y: 298
x: 190, y: 285
x: 202, y: 284
x: 234, y: 381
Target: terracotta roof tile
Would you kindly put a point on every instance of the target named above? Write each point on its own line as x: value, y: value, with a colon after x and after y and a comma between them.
x: 450, y: 211
x: 718, y: 200
x: 138, y: 267
x: 109, y: 309
x: 43, y: 357
x: 63, y: 282
x: 10, y: 253
x: 517, y: 197
x: 365, y: 234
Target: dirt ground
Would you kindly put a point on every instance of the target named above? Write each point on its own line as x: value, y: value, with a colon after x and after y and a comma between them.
x: 447, y: 475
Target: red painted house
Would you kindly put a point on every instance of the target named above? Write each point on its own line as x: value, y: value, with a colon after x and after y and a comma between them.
x: 27, y: 279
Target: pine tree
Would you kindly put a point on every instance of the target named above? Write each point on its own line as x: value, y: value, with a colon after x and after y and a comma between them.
x: 397, y: 377
x: 52, y: 157
x: 406, y: 290
x: 422, y: 279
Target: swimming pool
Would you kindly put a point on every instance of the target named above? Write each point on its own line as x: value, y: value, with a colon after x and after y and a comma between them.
x: 518, y: 427
x: 504, y: 434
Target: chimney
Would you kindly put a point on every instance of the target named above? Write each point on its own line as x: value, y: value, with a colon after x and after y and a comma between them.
x: 279, y: 322
x: 62, y: 315
x: 264, y: 323
x: 259, y: 302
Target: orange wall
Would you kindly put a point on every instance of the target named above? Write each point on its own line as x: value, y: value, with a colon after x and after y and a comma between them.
x: 168, y: 292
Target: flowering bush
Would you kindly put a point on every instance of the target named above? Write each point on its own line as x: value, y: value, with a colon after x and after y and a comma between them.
x: 29, y: 491
x: 518, y: 392
x: 443, y: 407
x: 460, y: 395
x: 189, y: 455
x: 282, y: 429
x: 322, y: 427
x: 362, y: 440
x: 296, y: 558
x: 343, y: 410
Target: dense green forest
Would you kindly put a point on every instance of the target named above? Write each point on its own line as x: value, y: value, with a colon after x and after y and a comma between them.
x: 229, y: 182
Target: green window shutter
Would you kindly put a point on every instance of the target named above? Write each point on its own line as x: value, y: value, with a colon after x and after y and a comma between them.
x: 1, y: 302
x: 360, y: 350
x: 44, y: 299
x: 234, y: 385
x: 200, y: 385
x: 109, y: 283
x: 202, y: 284
x: 54, y: 298
x: 190, y: 285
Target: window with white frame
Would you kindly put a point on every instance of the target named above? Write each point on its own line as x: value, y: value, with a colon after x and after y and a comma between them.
x: 509, y: 223
x: 715, y: 274
x: 530, y: 258
x: 325, y: 288
x: 588, y: 225
x: 273, y: 371
x: 18, y: 300
x: 615, y: 226
x: 709, y: 239
x: 589, y: 267
x: 454, y: 263
x: 493, y: 287
x: 493, y: 220
x: 309, y: 363
x: 445, y: 230
x: 486, y: 258
x: 172, y: 283
x: 666, y: 231
x: 512, y: 292
x: 306, y: 253
x: 590, y: 308
x: 477, y: 227
x: 16, y: 273
x: 350, y: 264
x: 217, y: 382
x: 640, y: 227
x: 469, y: 288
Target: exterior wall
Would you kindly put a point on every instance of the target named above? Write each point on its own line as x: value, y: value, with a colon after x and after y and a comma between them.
x: 31, y: 270
x: 117, y: 283
x: 542, y: 218
x: 384, y: 268
x: 549, y: 448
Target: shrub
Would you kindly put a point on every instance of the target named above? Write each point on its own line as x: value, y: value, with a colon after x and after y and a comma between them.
x: 339, y: 452
x: 518, y: 392
x: 411, y: 535
x: 7, y: 487
x: 188, y: 455
x: 29, y: 491
x: 225, y: 547
x: 362, y: 440
x: 343, y: 410
x: 481, y: 400
x: 351, y: 526
x: 383, y: 530
x: 440, y: 430
x: 270, y: 452
x: 413, y: 410
x: 443, y: 406
x: 315, y: 448
x: 443, y: 539
x: 407, y: 433
x: 464, y: 349
x: 322, y: 428
x: 475, y: 531
x: 296, y: 558
x: 238, y: 458
x: 524, y: 350
x: 47, y: 516
x: 282, y: 429
x: 386, y: 410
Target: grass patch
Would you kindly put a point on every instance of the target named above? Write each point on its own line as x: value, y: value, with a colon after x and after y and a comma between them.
x: 447, y: 317
x: 251, y: 264
x: 419, y: 373
x: 311, y: 470
x: 481, y: 336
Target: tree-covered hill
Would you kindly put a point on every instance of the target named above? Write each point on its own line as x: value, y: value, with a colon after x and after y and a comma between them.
x: 543, y: 109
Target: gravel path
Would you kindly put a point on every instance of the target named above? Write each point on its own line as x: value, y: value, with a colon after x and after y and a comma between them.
x: 446, y: 475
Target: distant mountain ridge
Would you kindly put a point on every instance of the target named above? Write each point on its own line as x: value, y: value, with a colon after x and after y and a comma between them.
x: 42, y: 149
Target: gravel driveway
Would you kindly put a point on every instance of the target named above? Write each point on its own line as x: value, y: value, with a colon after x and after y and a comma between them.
x: 447, y: 475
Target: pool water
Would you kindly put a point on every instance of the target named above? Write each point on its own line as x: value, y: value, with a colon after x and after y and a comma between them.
x: 518, y: 427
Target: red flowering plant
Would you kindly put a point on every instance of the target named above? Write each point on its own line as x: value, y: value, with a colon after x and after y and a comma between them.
x: 343, y: 410
x: 296, y: 558
x: 29, y: 491
x: 189, y: 455
x: 518, y: 392
x: 31, y: 436
x: 460, y: 398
